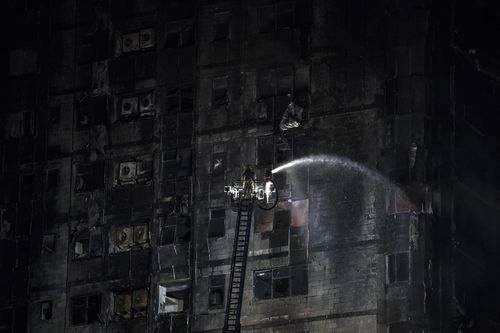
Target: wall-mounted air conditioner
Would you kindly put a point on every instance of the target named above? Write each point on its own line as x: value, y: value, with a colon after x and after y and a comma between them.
x: 147, y: 38
x: 124, y: 237
x: 128, y: 172
x: 129, y: 106
x: 146, y: 103
x: 141, y: 235
x: 130, y: 42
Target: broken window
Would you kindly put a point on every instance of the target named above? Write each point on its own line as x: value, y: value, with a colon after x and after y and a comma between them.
x: 54, y: 115
x: 49, y: 243
x: 179, y: 34
x: 128, y: 237
x: 91, y: 112
x: 22, y: 253
x: 46, y: 310
x: 216, y: 227
x: 265, y: 151
x: 13, y: 320
x: 276, y: 17
x: 130, y: 304
x: 133, y: 172
x: 281, y: 282
x: 221, y: 26
x: 398, y: 267
x: 216, y: 291
x: 219, y: 90
x: 52, y: 179
x: 88, y: 244
x: 175, y: 230
x: 89, y: 176
x: 263, y: 284
x: 19, y: 125
x: 27, y: 187
x: 275, y: 81
x: 85, y: 309
x: 281, y: 228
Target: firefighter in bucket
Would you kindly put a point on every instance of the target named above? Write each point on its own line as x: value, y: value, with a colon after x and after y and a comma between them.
x: 248, y: 182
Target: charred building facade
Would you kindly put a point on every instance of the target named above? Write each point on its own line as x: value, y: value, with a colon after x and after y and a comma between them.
x: 123, y: 120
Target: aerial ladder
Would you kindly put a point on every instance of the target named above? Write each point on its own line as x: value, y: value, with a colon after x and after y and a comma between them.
x: 244, y: 196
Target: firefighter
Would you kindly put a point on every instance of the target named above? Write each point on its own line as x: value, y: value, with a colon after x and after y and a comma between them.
x: 248, y: 182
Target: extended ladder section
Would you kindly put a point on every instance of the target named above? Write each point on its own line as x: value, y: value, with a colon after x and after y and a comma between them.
x: 238, y: 266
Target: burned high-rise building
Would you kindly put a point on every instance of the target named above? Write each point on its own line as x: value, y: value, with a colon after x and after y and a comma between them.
x: 134, y: 132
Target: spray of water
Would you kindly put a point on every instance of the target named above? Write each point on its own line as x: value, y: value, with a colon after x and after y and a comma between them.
x: 335, y: 161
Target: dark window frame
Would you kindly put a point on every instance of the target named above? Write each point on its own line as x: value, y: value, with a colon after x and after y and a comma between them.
x: 220, y: 90
x: 395, y: 274
x: 88, y: 237
x: 215, y: 232
x: 221, y: 29
x: 88, y: 317
x: 280, y: 274
x: 174, y: 225
x: 216, y: 285
x: 46, y: 313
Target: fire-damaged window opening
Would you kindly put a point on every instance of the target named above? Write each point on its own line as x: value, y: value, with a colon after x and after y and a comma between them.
x: 49, y: 243
x: 125, y: 238
x: 85, y: 309
x: 216, y: 226
x: 52, y: 179
x: 276, y: 17
x: 138, y: 40
x: 175, y: 230
x: 216, y: 291
x: 89, y: 176
x: 180, y: 100
x: 139, y: 105
x: 55, y: 115
x: 88, y: 244
x: 91, y: 112
x: 221, y: 26
x: 179, y: 34
x: 173, y: 305
x: 265, y: 150
x: 20, y: 125
x: 276, y: 81
x: 26, y: 192
x: 220, y: 90
x: 22, y: 253
x: 281, y: 282
x: 130, y: 304
x: 398, y: 267
x: 134, y: 171
x: 13, y: 319
x: 46, y: 310
x: 281, y: 229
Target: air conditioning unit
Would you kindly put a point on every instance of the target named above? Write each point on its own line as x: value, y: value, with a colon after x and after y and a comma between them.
x: 140, y: 300
x: 124, y: 237
x: 128, y: 172
x: 147, y: 38
x: 141, y: 234
x: 122, y: 305
x: 130, y: 42
x: 128, y: 106
x: 146, y: 103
